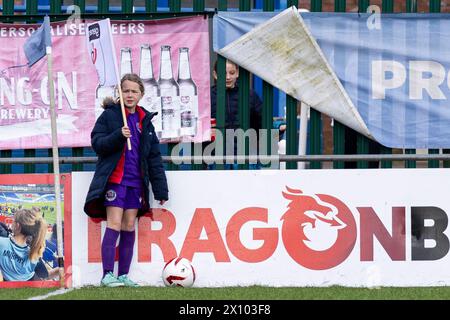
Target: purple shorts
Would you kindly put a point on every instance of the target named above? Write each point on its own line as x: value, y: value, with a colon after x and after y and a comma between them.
x: 124, y: 197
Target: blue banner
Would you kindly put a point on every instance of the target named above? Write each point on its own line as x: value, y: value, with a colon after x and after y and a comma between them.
x: 396, y: 70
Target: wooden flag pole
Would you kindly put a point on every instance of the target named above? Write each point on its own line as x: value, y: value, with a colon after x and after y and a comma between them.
x: 124, y: 116
x: 55, y: 156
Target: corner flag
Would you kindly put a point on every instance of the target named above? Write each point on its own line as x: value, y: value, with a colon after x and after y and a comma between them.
x: 103, y: 55
x: 35, y: 46
x: 102, y: 51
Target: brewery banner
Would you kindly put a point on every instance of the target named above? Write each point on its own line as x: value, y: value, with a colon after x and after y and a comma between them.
x: 393, y: 68
x: 177, y: 86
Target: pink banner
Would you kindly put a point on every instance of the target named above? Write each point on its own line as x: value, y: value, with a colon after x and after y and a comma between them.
x: 24, y: 99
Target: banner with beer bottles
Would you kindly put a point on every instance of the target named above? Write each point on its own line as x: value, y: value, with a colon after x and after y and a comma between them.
x: 171, y: 56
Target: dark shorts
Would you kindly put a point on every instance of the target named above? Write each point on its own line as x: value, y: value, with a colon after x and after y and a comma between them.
x: 124, y: 197
x: 40, y: 272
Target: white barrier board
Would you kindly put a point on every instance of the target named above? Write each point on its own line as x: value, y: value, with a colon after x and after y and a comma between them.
x: 285, y: 228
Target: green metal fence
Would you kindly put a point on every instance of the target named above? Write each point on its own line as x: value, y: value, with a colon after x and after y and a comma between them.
x: 151, y: 11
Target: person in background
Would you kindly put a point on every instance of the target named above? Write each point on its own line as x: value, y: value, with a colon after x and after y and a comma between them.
x: 232, y: 100
x: 50, y: 255
x: 21, y: 252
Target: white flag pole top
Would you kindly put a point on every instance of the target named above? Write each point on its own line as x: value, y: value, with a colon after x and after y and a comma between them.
x: 303, y: 133
x: 282, y: 52
x: 103, y: 55
x: 116, y: 69
x: 56, y: 174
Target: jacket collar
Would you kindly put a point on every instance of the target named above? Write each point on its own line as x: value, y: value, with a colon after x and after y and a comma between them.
x: 140, y: 111
x: 236, y: 88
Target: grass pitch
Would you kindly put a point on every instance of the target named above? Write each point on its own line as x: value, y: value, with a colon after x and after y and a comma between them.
x: 236, y: 293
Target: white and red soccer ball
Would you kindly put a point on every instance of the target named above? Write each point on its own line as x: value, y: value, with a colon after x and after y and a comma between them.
x: 178, y: 272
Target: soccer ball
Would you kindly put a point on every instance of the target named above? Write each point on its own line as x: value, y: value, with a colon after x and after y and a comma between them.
x: 178, y: 272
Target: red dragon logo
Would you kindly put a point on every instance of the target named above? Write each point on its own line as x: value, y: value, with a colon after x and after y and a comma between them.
x: 93, y: 53
x: 319, y: 231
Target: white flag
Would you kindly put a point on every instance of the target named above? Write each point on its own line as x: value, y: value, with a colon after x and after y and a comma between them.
x: 283, y: 52
x: 102, y: 51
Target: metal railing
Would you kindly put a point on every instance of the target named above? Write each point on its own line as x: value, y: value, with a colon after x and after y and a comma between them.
x: 247, y: 158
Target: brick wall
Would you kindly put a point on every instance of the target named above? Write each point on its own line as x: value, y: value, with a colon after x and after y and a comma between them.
x: 445, y: 6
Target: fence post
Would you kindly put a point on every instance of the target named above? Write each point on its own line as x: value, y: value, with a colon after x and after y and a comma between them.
x: 267, y: 108
x: 127, y: 6
x: 244, y: 95
x: 386, y: 150
x: 79, y: 151
x: 81, y: 4
x: 198, y: 5
x: 174, y: 6
x: 103, y: 6
x: 362, y: 142
x: 221, y: 93
x: 338, y: 128
x: 435, y: 7
x: 31, y: 9
x: 8, y: 8
x: 315, y: 136
x: 315, y: 117
x: 55, y: 6
x: 291, y: 120
x: 151, y: 5
x: 388, y: 6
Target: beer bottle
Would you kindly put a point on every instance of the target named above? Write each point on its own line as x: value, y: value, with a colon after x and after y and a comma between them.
x: 125, y: 61
x: 188, y: 96
x: 170, y: 93
x: 151, y: 99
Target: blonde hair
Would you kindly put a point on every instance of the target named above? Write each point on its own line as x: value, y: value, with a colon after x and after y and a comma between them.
x: 32, y: 225
x: 130, y: 77
x: 133, y: 78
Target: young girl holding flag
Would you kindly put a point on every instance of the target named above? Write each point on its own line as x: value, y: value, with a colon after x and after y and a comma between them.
x: 119, y: 190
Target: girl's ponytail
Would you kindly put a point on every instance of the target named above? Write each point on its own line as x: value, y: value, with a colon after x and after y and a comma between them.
x: 37, y: 245
x: 34, y: 227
